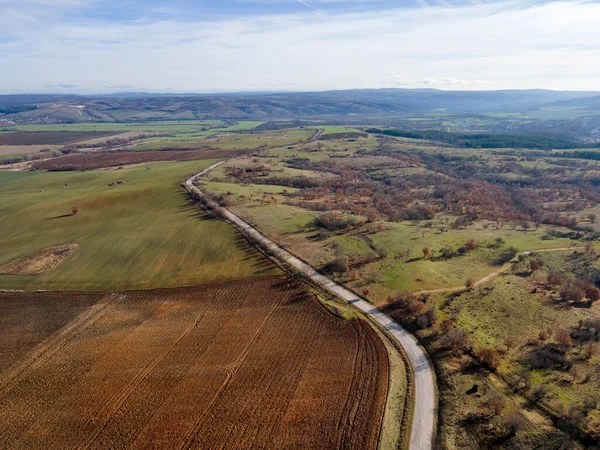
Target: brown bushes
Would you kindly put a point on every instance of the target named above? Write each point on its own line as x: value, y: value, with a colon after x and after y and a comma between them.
x: 456, y: 340
x: 489, y: 358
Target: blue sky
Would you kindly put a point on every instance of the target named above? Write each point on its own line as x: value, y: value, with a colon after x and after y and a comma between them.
x: 236, y: 45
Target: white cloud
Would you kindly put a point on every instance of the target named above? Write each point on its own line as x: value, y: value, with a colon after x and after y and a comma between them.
x: 308, y: 5
x: 499, y: 45
x: 401, y: 80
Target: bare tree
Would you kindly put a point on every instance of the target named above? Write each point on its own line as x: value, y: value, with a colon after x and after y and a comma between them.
x: 563, y: 337
x: 471, y: 244
x: 592, y: 293
x: 470, y: 284
x: 489, y: 357
x: 590, y: 350
x: 496, y: 402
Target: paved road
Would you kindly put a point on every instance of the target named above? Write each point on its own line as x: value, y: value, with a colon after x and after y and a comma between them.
x: 425, y: 397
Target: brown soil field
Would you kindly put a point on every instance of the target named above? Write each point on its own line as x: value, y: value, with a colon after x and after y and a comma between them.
x: 28, y: 320
x: 51, y: 137
x: 91, y: 161
x: 39, y: 262
x: 116, y: 135
x: 249, y: 364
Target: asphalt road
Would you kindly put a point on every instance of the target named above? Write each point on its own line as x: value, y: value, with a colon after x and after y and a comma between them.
x: 425, y: 397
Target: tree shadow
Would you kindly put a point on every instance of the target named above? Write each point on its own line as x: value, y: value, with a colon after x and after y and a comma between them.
x: 194, y: 209
x: 412, y: 260
x: 60, y: 217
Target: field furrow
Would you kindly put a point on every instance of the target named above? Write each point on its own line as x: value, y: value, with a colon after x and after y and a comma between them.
x: 249, y: 364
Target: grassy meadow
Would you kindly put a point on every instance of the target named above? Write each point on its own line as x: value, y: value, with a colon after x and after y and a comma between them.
x: 144, y: 233
x: 404, y: 268
x: 160, y: 126
x: 509, y: 314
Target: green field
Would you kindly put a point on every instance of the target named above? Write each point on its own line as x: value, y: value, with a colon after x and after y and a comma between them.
x: 241, y: 126
x: 292, y: 227
x: 236, y: 190
x: 144, y: 233
x: 184, y: 132
x: 170, y: 126
x: 513, y: 308
x: 174, y: 126
x: 224, y: 141
x: 330, y: 129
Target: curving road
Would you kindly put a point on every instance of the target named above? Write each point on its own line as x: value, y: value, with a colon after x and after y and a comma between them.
x: 425, y: 397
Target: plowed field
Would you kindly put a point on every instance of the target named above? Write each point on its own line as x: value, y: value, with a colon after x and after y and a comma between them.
x: 51, y: 137
x: 91, y: 161
x: 251, y: 364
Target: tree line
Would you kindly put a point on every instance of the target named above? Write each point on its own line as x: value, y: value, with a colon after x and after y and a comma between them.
x: 484, y: 140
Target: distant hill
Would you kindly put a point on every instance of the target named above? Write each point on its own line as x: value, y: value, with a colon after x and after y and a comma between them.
x: 592, y: 103
x: 360, y: 102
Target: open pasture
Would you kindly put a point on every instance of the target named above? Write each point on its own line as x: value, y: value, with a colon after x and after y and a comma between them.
x: 141, y: 233
x: 149, y: 126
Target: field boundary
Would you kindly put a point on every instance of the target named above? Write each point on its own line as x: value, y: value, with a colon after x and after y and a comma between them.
x: 424, y: 415
x: 409, y: 397
x: 390, y: 344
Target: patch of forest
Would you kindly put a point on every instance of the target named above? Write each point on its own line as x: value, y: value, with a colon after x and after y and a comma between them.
x: 486, y: 140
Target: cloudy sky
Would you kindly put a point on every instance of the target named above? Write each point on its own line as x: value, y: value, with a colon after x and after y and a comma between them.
x: 238, y: 45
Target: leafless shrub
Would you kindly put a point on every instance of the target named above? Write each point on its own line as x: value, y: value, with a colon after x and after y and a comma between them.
x: 489, y: 358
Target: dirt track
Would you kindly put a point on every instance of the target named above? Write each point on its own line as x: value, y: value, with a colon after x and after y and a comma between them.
x: 494, y: 274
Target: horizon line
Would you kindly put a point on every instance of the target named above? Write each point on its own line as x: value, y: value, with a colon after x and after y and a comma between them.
x: 282, y: 91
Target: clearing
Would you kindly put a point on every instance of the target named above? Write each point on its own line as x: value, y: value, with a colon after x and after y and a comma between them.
x: 39, y: 262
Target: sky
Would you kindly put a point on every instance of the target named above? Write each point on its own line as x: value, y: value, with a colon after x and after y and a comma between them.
x: 94, y: 46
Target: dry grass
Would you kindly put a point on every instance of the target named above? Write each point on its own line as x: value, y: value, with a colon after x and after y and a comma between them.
x: 6, y: 150
x: 39, y: 262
